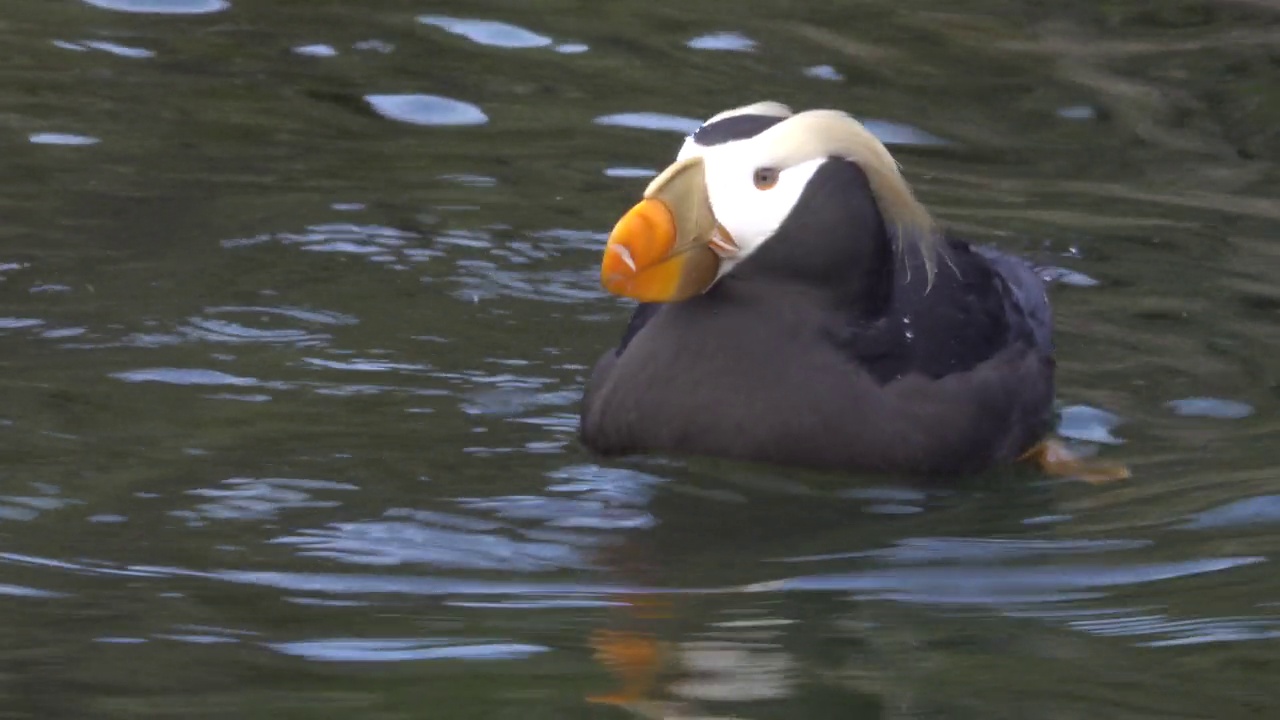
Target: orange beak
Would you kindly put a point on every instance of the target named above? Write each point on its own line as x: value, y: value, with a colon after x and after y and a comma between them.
x: 668, y: 246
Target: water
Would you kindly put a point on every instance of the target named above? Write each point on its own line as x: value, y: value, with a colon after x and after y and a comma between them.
x: 297, y: 301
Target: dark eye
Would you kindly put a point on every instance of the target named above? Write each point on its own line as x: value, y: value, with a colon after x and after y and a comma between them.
x: 765, y: 178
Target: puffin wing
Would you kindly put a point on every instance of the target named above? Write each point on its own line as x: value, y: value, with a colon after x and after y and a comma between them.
x: 1029, y: 292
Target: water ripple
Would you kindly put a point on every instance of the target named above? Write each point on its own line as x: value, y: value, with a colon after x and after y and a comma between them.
x: 28, y: 592
x: 1261, y: 510
x: 185, y: 376
x: 485, y: 281
x: 16, y: 323
x: 29, y: 507
x: 427, y: 110
x: 723, y: 41
x: 56, y: 138
x: 487, y: 32
x: 823, y: 72
x: 981, y: 585
x: 1089, y: 424
x: 316, y: 50
x: 259, y: 498
x: 650, y: 121
x: 116, y: 49
x: 224, y: 331
x: 926, y: 550
x: 336, y: 237
x: 366, y: 365
x: 579, y: 513
x: 1209, y: 407
x: 1190, y: 631
x: 890, y: 132
x: 397, y: 540
x: 629, y: 172
x: 162, y: 7
x: 403, y: 650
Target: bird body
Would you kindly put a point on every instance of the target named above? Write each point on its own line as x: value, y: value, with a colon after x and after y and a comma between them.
x: 800, y: 307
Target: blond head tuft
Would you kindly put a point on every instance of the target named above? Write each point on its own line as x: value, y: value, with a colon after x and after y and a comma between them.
x: 819, y: 133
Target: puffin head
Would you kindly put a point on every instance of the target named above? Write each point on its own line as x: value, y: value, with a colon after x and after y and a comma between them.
x: 759, y: 191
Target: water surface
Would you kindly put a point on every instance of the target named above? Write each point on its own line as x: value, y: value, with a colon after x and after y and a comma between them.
x: 298, y: 300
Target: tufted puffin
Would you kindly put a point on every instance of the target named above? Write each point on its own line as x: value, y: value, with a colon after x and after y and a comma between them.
x: 800, y: 307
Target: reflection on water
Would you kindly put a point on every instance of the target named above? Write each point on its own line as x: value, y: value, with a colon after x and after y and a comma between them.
x: 427, y: 110
x: 298, y: 302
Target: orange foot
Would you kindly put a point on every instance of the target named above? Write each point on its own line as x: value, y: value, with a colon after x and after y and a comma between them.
x: 634, y: 657
x: 1054, y: 458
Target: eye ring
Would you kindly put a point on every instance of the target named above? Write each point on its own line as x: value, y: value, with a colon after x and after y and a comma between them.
x: 765, y: 178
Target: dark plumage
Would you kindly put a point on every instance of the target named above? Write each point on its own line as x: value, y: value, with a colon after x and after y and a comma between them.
x: 830, y: 347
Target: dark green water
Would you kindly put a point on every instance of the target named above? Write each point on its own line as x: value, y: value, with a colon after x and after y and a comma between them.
x: 290, y: 369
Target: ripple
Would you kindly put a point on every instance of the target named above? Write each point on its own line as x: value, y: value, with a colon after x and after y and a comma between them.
x: 52, y: 138
x: 338, y: 238
x: 366, y: 365
x: 1209, y: 407
x: 488, y: 32
x: 586, y: 513
x: 17, y: 323
x: 1186, y: 631
x: 395, y: 541
x: 427, y: 110
x: 1081, y: 422
x: 650, y: 121
x: 1066, y: 276
x: 630, y: 172
x: 226, y: 331
x: 982, y: 585
x: 366, y: 584
x: 316, y: 50
x: 929, y: 550
x: 510, y: 402
x: 588, y: 240
x: 260, y: 498
x: 823, y: 72
x: 402, y: 650
x: 184, y: 376
x: 320, y: 317
x: 353, y: 583
x: 895, y: 133
x: 117, y: 49
x: 162, y: 7
x: 1264, y: 509
x: 723, y: 41
x: 470, y: 180
x: 486, y: 280
x: 1077, y: 112
x: 378, y: 46
x: 29, y: 507
x: 29, y: 592
x: 223, y: 331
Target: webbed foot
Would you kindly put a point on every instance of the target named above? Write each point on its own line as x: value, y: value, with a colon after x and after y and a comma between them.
x: 1053, y: 457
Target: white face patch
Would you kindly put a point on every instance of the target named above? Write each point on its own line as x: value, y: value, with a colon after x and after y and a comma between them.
x: 750, y: 214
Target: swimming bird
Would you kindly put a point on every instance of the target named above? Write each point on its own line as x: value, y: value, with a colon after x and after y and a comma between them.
x: 799, y: 306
